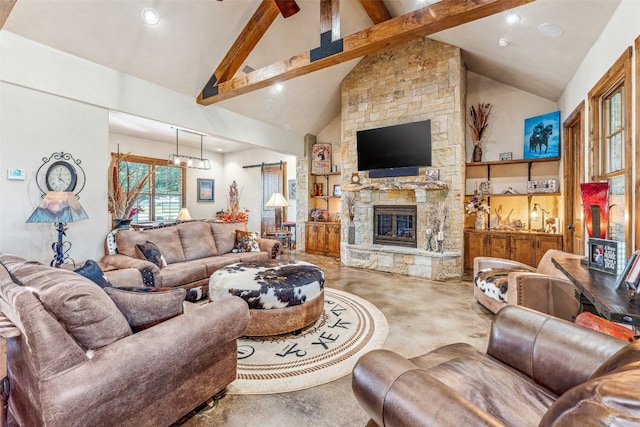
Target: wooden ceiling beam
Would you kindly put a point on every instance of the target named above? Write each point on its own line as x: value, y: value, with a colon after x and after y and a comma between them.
x: 5, y: 9
x: 429, y: 20
x: 287, y: 8
x: 330, y: 18
x: 376, y: 10
x: 251, y: 34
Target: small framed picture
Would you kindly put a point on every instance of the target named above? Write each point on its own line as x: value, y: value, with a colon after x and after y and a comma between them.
x: 293, y: 189
x: 484, y: 187
x: 506, y: 156
x: 337, y: 190
x: 433, y: 174
x: 206, y: 190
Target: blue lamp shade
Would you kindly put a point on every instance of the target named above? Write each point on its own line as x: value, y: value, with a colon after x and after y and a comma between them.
x: 58, y: 206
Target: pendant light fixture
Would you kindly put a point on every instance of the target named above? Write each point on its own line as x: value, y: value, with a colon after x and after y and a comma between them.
x: 189, y: 161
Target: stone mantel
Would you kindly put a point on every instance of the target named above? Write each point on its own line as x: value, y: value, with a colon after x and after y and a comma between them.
x: 420, y: 188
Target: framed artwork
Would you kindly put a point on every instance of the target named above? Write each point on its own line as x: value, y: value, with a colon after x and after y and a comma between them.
x: 542, y: 136
x: 484, y: 187
x: 337, y: 190
x: 206, y: 190
x: 321, y: 159
x: 506, y: 156
x: 293, y: 189
x: 432, y: 174
x: 606, y: 256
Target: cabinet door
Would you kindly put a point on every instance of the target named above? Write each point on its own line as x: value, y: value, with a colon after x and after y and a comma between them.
x: 523, y: 249
x: 315, y: 242
x: 544, y: 243
x: 333, y: 240
x: 499, y: 246
x: 475, y: 244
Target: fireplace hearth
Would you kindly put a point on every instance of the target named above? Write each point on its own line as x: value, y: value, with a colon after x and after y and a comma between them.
x: 395, y: 225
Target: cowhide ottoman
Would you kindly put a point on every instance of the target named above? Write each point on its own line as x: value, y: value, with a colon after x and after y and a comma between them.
x: 283, y: 295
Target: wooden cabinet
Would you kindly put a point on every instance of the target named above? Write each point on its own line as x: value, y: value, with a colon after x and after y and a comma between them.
x: 323, y: 238
x: 525, y: 247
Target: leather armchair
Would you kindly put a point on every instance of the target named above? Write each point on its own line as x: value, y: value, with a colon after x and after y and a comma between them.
x: 537, y: 371
x: 543, y: 288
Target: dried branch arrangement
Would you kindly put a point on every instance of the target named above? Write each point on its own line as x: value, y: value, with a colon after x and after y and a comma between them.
x: 479, y: 119
x: 125, y: 186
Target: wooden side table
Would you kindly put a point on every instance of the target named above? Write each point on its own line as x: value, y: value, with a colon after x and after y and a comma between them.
x: 282, y: 235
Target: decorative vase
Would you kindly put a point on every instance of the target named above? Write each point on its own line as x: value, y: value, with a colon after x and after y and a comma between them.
x: 477, y: 151
x: 595, y: 199
x: 121, y: 223
x: 480, y: 220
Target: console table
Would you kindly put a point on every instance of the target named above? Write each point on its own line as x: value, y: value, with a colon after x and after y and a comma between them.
x: 599, y: 290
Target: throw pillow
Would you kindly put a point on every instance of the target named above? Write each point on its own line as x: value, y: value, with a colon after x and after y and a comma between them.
x: 247, y: 241
x: 93, y: 272
x: 152, y: 253
x: 145, y: 307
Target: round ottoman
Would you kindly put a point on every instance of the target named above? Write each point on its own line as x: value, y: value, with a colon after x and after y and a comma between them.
x: 283, y: 295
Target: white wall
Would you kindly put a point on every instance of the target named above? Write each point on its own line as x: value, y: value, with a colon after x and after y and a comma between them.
x: 249, y: 180
x: 52, y: 101
x: 161, y: 150
x: 510, y: 107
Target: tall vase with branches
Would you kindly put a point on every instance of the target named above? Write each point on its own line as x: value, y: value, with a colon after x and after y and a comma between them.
x: 125, y: 186
x: 478, y: 122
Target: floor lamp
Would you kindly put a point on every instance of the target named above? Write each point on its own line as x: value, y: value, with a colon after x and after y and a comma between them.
x: 278, y: 202
x: 59, y: 208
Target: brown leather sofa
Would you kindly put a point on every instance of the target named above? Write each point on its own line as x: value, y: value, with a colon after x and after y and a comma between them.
x: 193, y: 251
x: 537, y: 371
x: 543, y: 288
x: 76, y: 361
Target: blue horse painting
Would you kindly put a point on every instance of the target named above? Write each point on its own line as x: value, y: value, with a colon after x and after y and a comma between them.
x: 542, y: 136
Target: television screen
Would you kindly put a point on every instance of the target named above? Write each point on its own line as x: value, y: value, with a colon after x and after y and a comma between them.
x: 395, y: 146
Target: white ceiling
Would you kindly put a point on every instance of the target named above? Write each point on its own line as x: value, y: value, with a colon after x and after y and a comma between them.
x: 192, y: 37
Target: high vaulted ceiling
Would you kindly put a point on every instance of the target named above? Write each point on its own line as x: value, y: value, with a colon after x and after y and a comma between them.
x: 181, y: 51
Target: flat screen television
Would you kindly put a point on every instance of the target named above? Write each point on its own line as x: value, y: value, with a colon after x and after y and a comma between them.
x: 405, y: 147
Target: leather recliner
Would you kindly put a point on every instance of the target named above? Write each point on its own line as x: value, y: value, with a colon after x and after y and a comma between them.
x: 538, y: 370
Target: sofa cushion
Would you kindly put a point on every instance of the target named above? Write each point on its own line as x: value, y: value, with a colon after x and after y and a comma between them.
x: 183, y: 273
x: 151, y: 253
x: 197, y: 240
x: 145, y: 307
x: 247, y: 241
x: 224, y: 234
x: 85, y: 311
x: 93, y: 272
x: 215, y: 263
x: 166, y: 239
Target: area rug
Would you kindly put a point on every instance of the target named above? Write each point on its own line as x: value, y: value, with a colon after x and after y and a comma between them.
x: 327, y: 350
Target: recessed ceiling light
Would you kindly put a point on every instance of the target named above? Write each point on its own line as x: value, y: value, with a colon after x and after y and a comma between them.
x: 267, y: 104
x: 219, y: 149
x: 511, y: 18
x: 503, y: 42
x: 278, y: 87
x: 550, y: 30
x: 150, y: 16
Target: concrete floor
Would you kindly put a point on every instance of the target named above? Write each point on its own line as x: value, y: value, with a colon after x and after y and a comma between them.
x: 422, y: 315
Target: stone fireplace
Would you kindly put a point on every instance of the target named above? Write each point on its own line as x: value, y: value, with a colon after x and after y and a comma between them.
x: 422, y: 79
x: 394, y: 225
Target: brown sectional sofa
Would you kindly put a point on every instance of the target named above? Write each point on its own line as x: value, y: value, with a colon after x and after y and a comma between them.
x: 193, y: 251
x: 77, y: 362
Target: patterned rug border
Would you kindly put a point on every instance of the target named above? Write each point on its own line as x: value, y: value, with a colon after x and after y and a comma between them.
x: 267, y: 378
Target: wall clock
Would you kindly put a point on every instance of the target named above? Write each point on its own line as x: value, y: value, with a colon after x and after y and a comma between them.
x: 60, y: 172
x: 61, y: 176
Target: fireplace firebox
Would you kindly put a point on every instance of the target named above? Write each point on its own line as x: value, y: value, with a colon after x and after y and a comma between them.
x: 395, y: 225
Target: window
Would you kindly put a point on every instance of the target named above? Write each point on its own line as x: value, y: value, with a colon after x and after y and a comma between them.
x: 609, y: 121
x: 163, y: 196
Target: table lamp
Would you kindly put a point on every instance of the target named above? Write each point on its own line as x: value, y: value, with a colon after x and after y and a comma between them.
x: 534, y: 214
x: 277, y: 201
x: 59, y: 208
x: 184, y: 215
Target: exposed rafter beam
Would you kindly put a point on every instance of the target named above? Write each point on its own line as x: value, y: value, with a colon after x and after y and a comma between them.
x: 376, y: 10
x: 432, y: 19
x: 251, y: 34
x: 5, y: 9
x: 330, y: 18
x: 287, y: 7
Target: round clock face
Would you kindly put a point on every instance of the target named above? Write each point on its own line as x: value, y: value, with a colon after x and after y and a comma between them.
x: 61, y: 176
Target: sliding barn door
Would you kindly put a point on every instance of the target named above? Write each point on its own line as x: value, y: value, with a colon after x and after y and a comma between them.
x: 273, y: 178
